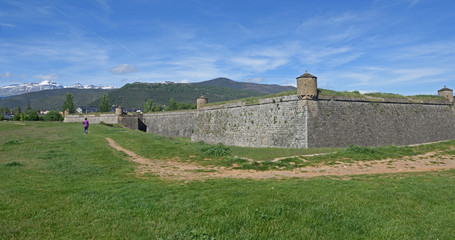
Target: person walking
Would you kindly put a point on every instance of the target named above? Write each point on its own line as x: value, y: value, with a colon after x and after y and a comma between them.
x: 85, y: 123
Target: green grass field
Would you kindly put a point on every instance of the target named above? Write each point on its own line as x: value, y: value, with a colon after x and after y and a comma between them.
x: 57, y: 183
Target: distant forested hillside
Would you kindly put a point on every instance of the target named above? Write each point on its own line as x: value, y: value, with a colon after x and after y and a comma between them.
x: 134, y: 95
x: 53, y: 99
x: 256, y: 87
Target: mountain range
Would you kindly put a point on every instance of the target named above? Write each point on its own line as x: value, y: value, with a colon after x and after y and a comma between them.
x: 255, y: 87
x: 18, y: 89
x: 134, y: 95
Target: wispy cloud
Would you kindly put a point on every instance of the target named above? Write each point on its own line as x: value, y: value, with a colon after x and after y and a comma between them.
x: 123, y: 68
x: 393, y: 3
x: 52, y: 76
x: 6, y: 74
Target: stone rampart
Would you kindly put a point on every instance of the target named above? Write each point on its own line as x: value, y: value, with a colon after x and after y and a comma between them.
x: 171, y: 124
x: 326, y: 122
x: 279, y: 124
x: 93, y: 118
x: 289, y: 122
x: 341, y: 123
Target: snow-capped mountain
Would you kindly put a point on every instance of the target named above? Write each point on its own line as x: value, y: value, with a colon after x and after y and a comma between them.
x: 17, y: 89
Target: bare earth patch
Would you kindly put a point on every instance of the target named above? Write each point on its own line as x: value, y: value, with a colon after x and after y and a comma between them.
x: 172, y: 169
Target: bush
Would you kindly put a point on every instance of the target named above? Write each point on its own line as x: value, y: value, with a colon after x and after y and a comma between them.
x: 17, y: 117
x: 53, y: 116
x: 33, y: 116
x: 218, y: 150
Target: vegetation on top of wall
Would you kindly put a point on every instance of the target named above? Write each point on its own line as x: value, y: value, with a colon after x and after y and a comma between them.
x: 254, y: 100
x: 353, y: 94
x: 427, y: 97
x: 326, y: 92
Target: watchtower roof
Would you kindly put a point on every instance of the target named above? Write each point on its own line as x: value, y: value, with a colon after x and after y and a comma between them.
x: 444, y: 89
x: 307, y: 75
x: 202, y: 97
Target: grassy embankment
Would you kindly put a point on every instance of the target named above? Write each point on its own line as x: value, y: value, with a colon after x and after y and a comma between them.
x: 326, y: 92
x: 57, y: 183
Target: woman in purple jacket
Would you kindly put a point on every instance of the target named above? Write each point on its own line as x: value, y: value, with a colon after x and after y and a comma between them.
x: 85, y: 126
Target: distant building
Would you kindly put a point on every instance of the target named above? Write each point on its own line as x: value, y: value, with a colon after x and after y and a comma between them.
x: 168, y: 82
x: 86, y: 109
x: 8, y: 116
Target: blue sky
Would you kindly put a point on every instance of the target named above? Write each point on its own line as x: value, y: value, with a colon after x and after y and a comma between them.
x: 399, y: 46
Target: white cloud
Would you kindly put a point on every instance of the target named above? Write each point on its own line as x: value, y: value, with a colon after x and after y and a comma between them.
x: 123, y: 68
x: 6, y: 74
x: 7, y: 25
x: 367, y: 91
x: 52, y: 76
x: 393, y: 3
x: 184, y: 81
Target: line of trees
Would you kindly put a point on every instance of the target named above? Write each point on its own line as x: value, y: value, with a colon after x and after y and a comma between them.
x: 32, y: 115
x: 105, y: 106
x: 171, y: 106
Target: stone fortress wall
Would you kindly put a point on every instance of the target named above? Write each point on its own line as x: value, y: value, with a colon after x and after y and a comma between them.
x: 306, y: 120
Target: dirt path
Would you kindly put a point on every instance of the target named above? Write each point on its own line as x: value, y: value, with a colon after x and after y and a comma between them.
x: 190, y: 171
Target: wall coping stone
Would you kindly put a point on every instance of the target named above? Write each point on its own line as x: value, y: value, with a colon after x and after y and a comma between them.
x: 292, y: 98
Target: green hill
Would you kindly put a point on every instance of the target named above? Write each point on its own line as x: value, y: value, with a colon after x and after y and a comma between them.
x: 256, y: 87
x: 134, y: 95
x: 53, y: 99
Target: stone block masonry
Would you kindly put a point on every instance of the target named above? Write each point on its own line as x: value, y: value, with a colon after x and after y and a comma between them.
x: 341, y: 123
x: 279, y: 124
x: 326, y: 122
x: 300, y: 122
x: 171, y: 124
x: 110, y: 118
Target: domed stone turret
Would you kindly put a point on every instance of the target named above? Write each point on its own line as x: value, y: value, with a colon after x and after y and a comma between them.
x: 119, y: 111
x: 201, y: 101
x: 447, y: 93
x: 307, y: 86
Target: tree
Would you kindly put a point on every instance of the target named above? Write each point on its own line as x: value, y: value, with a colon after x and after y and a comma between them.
x: 69, y: 104
x: 53, y: 116
x: 158, y: 108
x: 148, y: 106
x: 33, y: 115
x: 28, y: 107
x: 18, y: 110
x: 171, y: 106
x: 105, y: 105
x: 5, y: 110
x: 23, y: 117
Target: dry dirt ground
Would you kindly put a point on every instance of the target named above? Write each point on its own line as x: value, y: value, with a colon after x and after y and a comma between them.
x: 191, y: 171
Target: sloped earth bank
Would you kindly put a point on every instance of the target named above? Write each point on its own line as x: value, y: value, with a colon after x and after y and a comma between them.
x: 190, y: 171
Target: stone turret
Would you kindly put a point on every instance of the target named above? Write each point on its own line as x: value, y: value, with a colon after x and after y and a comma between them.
x: 447, y: 93
x: 307, y: 86
x: 201, y: 101
x: 67, y: 112
x: 119, y: 111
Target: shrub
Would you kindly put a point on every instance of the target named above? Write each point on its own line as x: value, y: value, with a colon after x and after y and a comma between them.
x: 14, y: 164
x: 53, y: 116
x: 218, y: 150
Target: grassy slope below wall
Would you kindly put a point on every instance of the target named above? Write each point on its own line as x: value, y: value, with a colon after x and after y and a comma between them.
x: 56, y: 182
